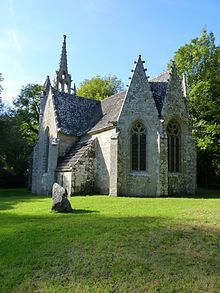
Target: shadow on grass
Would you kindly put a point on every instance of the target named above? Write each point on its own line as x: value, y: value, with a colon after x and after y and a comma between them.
x: 99, y: 252
x: 21, y: 192
x: 81, y: 211
x: 201, y: 193
x: 10, y: 197
x: 76, y: 211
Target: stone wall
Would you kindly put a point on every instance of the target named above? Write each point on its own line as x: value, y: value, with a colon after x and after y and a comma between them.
x: 163, y: 150
x: 139, y: 105
x: 103, y: 161
x: 175, y: 107
x: 42, y: 180
x: 65, y: 180
x: 83, y: 172
x: 66, y: 141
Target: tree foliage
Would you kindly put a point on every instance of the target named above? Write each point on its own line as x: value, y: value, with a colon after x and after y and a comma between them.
x: 18, y: 132
x: 14, y: 153
x: 200, y: 61
x: 26, y: 109
x: 99, y: 87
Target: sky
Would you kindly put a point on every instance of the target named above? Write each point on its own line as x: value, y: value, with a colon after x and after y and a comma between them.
x: 103, y: 36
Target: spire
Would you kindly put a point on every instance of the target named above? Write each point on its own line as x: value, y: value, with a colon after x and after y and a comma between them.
x: 63, y: 78
x: 63, y: 58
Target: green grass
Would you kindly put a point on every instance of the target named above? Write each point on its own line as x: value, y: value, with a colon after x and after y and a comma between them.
x: 109, y: 244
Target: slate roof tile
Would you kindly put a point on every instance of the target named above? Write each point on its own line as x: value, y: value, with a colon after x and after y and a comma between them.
x: 110, y: 109
x: 158, y: 87
x: 75, y: 115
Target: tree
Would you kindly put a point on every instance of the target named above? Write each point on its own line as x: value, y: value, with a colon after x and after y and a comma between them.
x: 100, y: 88
x: 26, y: 109
x: 14, y: 153
x: 200, y: 61
x: 18, y: 132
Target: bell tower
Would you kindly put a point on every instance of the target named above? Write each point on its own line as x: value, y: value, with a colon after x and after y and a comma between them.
x: 63, y: 78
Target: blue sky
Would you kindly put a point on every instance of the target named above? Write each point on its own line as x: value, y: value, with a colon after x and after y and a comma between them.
x: 103, y: 36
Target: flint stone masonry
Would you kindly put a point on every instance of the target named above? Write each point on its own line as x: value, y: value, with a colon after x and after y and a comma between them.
x: 85, y: 145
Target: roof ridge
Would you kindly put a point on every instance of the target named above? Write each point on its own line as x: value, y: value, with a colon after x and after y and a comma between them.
x: 72, y: 95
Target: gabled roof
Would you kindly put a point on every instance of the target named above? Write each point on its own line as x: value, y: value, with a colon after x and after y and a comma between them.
x: 78, y: 115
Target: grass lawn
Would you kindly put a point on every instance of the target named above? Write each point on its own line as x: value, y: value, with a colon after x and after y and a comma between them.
x: 109, y: 244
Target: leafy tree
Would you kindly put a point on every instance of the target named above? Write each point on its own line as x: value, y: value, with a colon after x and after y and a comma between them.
x: 13, y: 149
x: 26, y: 109
x: 18, y: 131
x: 200, y: 61
x: 14, y: 153
x: 100, y: 88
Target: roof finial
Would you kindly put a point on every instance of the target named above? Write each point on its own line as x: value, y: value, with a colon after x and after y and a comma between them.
x: 63, y: 78
x: 138, y: 69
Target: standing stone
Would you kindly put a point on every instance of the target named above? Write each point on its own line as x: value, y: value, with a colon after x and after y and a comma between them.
x: 60, y: 202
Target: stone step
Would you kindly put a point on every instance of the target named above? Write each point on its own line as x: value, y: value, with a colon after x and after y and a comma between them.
x: 74, y: 154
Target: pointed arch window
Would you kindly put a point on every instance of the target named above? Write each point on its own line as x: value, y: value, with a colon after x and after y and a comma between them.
x: 138, y: 147
x: 174, y: 151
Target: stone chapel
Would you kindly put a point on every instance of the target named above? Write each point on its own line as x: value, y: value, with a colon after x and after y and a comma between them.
x: 135, y: 143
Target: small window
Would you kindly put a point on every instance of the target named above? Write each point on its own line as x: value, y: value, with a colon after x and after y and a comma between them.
x: 138, y: 147
x: 173, y: 132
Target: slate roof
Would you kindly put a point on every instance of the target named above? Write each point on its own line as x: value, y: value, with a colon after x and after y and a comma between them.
x: 77, y: 115
x: 110, y: 109
x: 158, y: 87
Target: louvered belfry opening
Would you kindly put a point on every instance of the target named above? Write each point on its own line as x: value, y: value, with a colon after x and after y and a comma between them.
x: 174, y: 136
x: 138, y: 147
